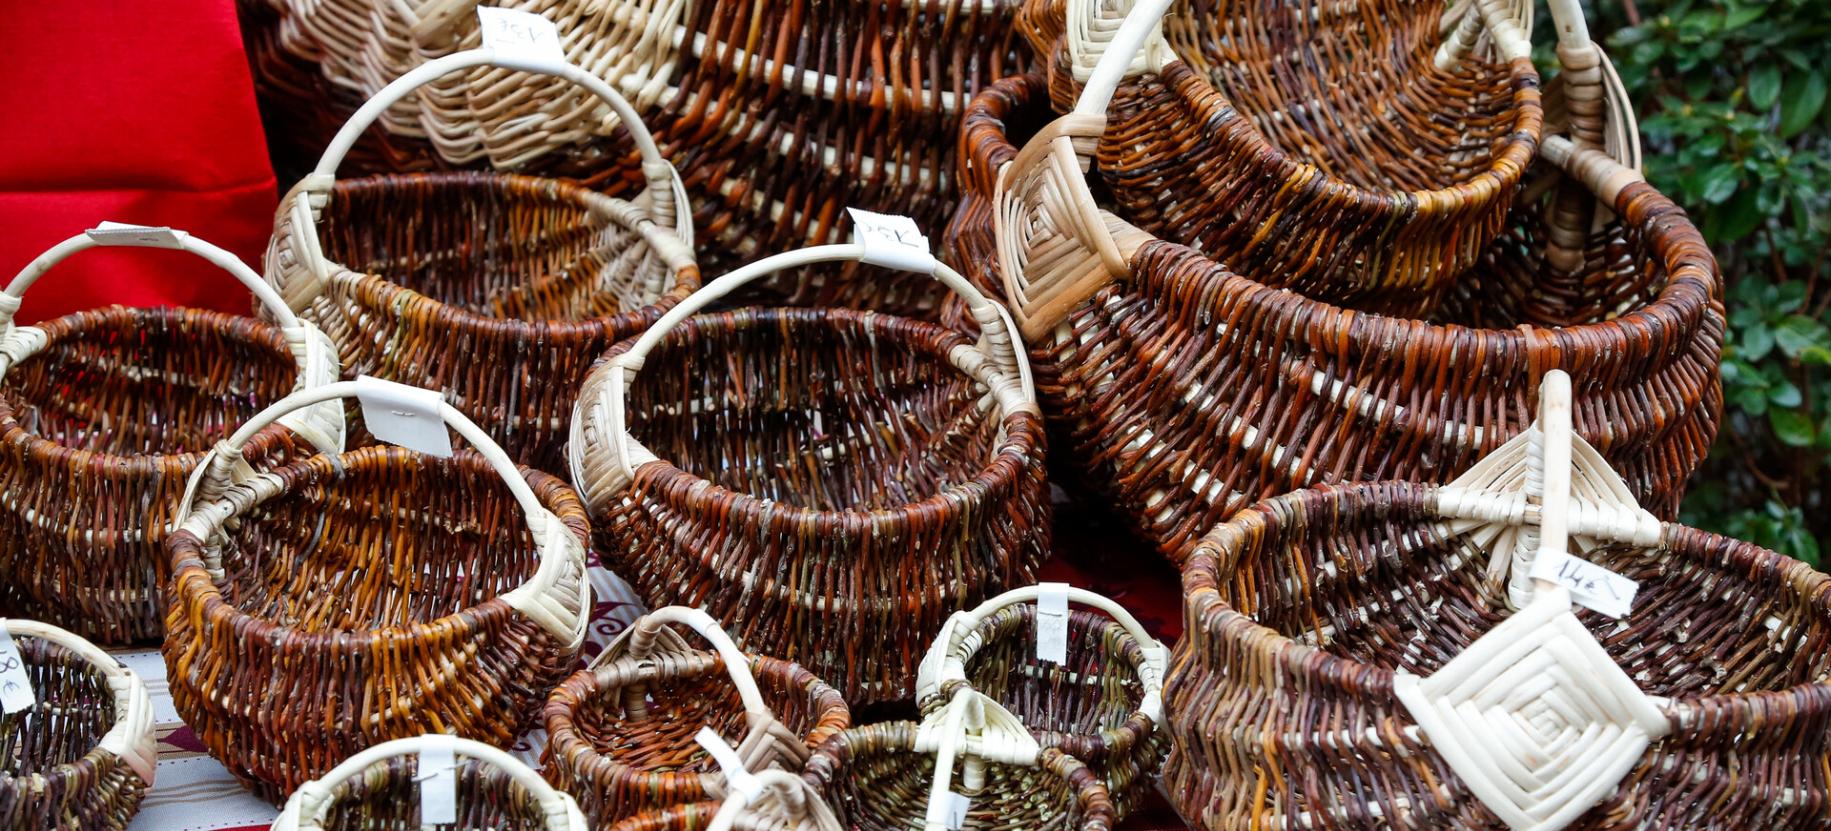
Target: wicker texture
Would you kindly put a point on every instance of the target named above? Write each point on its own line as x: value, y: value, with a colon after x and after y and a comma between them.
x: 1187, y: 392
x: 57, y: 772
x: 383, y: 788
x: 828, y: 514
x: 621, y: 734
x: 1320, y: 146
x: 876, y: 780
x: 1281, y: 694
x: 362, y: 599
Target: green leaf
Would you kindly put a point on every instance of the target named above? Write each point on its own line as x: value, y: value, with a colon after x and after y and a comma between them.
x: 1755, y: 342
x: 1785, y: 395
x: 1764, y: 86
x: 1719, y: 183
x: 1799, y: 333
x: 1792, y: 427
x: 1741, y: 216
x: 1801, y: 98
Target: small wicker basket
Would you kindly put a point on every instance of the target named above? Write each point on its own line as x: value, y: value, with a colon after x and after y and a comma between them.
x: 338, y: 602
x: 381, y: 789
x: 81, y: 755
x: 828, y: 483
x: 777, y: 801
x: 1399, y: 655
x: 498, y: 289
x: 1101, y: 703
x: 900, y: 775
x: 104, y: 413
x: 620, y: 734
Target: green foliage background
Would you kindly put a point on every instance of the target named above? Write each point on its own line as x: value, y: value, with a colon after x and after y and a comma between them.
x: 1732, y: 102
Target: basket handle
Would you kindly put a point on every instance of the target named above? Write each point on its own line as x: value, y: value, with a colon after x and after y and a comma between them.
x: 315, y: 355
x: 998, y: 342
x: 665, y: 186
x: 804, y: 807
x: 130, y: 738
x: 306, y: 807
x: 1548, y: 486
x: 945, y: 661
x: 977, y: 727
x: 543, y: 597
x: 645, y: 632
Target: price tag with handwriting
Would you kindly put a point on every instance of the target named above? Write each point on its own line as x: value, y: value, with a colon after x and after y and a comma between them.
x: 15, y: 685
x: 1590, y: 585
x: 519, y: 33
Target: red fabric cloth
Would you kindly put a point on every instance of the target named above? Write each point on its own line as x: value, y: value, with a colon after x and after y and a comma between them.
x: 135, y: 111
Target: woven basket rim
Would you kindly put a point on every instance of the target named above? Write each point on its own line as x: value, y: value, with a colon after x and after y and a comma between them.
x: 76, y: 323
x: 686, y: 278
x: 197, y: 591
x: 96, y: 757
x: 1359, y: 678
x: 998, y: 468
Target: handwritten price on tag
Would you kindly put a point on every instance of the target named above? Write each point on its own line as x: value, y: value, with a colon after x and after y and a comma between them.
x: 1590, y: 585
x: 521, y: 33
x: 16, y: 691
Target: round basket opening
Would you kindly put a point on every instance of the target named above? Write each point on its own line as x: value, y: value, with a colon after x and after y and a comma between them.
x: 130, y: 382
x: 75, y: 709
x: 498, y: 246
x: 386, y: 797
x: 1367, y: 573
x: 398, y: 539
x: 1095, y: 690
x: 822, y: 409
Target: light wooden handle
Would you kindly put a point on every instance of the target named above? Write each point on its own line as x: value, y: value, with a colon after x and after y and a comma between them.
x: 309, y: 806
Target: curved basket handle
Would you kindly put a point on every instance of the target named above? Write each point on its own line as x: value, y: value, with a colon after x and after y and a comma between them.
x: 642, y: 640
x: 130, y: 738
x: 1548, y: 460
x: 558, y: 595
x: 1011, y: 384
x: 1602, y: 174
x: 979, y: 728
x: 804, y: 807
x: 945, y: 661
x: 315, y: 355
x: 305, y: 810
x: 1507, y: 23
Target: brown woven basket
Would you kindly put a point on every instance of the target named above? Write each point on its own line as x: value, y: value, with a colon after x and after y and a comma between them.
x: 900, y: 775
x: 621, y: 734
x: 828, y: 483
x: 104, y: 413
x: 1350, y: 660
x: 1101, y: 704
x: 1187, y: 392
x: 341, y: 601
x: 381, y: 789
x: 81, y: 755
x: 498, y: 289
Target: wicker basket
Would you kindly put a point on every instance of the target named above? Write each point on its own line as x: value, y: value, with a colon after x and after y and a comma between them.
x: 901, y: 775
x: 1101, y: 705
x: 620, y: 735
x: 345, y: 600
x: 498, y: 289
x: 782, y: 802
x: 380, y: 789
x: 1351, y: 660
x: 102, y: 415
x: 1187, y: 392
x: 81, y: 756
x: 828, y: 483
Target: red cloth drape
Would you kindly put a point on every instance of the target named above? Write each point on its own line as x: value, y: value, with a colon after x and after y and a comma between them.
x: 137, y: 111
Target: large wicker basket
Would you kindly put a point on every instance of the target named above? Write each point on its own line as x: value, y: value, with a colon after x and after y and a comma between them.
x: 901, y: 775
x: 1352, y: 659
x: 828, y: 483
x: 498, y: 289
x: 380, y: 789
x: 621, y: 733
x: 338, y: 602
x: 102, y: 415
x: 1101, y: 704
x: 81, y: 756
x: 1187, y: 391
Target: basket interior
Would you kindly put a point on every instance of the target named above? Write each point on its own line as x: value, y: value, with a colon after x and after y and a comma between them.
x: 821, y: 409
x: 1388, y: 587
x: 1096, y: 689
x: 1352, y: 88
x: 883, y: 786
x: 660, y: 737
x: 386, y: 798
x: 398, y: 539
x: 491, y: 245
x: 148, y: 381
x: 75, y: 709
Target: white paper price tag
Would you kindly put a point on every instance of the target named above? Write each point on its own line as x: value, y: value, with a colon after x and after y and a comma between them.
x: 1590, y: 585
x: 737, y: 779
x: 515, y: 33
x: 950, y: 810
x: 438, y: 778
x: 136, y: 236
x: 1052, y: 623
x: 402, y: 415
x: 892, y: 241
x: 15, y: 685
